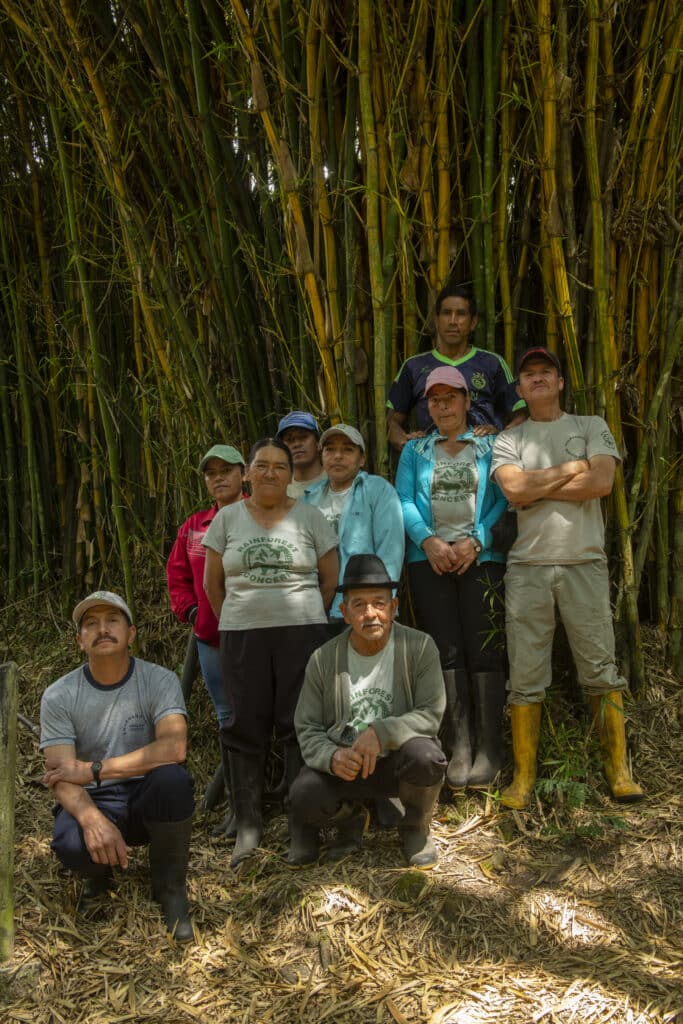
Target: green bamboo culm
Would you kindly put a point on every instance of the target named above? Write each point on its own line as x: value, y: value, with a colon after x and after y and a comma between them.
x: 214, y: 214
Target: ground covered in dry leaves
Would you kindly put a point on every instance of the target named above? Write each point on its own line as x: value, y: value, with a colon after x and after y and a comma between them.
x: 570, y: 912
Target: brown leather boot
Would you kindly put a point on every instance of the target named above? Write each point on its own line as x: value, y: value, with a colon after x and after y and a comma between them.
x: 608, y: 715
x: 526, y: 727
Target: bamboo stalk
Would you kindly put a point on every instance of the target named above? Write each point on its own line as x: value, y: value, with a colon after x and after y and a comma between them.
x: 372, y: 224
x: 9, y: 673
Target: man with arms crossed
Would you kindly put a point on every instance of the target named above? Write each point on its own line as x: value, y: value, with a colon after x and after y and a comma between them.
x: 114, y: 734
x: 366, y: 721
x: 554, y: 468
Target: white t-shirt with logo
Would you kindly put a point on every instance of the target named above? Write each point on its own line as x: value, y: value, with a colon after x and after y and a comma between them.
x: 454, y: 492
x: 332, y: 505
x: 556, y: 532
x: 372, y: 685
x: 271, y: 574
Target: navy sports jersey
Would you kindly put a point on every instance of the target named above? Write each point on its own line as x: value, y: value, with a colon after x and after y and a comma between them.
x: 492, y: 389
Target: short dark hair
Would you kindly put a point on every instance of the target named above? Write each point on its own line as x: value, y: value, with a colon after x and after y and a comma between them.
x: 270, y: 442
x: 456, y: 291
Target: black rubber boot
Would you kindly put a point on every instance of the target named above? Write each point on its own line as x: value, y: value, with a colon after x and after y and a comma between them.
x: 304, y: 845
x: 488, y: 698
x: 94, y: 886
x: 246, y: 779
x: 228, y: 826
x: 457, y: 727
x: 416, y: 843
x: 169, y: 852
x: 388, y: 811
x: 351, y: 820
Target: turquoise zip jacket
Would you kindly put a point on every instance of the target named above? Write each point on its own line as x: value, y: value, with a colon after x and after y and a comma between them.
x: 414, y: 486
x: 371, y: 524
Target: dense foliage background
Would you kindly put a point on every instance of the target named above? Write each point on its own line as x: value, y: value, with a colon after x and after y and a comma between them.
x: 212, y: 213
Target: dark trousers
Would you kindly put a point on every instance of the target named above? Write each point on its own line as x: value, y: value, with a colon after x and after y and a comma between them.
x: 164, y: 794
x: 465, y: 615
x: 315, y: 796
x: 263, y: 670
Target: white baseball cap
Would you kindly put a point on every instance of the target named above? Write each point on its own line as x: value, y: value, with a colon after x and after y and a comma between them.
x: 343, y: 428
x: 105, y: 597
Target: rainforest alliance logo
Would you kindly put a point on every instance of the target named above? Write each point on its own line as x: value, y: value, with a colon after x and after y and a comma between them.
x: 478, y: 381
x: 368, y: 706
x: 267, y: 560
x: 607, y: 439
x: 454, y: 481
x: 575, y: 445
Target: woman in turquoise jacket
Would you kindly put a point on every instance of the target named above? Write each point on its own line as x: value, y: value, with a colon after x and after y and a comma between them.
x: 363, y: 508
x: 456, y: 577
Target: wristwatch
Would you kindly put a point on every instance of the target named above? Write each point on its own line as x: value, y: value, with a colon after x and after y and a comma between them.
x: 477, y: 545
x: 96, y: 768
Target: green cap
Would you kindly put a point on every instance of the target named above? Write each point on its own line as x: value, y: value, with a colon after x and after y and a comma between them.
x: 226, y: 452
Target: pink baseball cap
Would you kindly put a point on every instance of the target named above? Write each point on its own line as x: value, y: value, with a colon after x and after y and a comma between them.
x: 446, y: 375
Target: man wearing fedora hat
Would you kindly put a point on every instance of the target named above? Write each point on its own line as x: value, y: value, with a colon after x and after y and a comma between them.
x: 367, y: 719
x: 114, y: 735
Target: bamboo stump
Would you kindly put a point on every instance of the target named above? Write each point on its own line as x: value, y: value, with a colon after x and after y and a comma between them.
x: 8, y: 756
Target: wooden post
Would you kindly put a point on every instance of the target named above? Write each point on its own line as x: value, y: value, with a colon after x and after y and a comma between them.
x: 8, y: 757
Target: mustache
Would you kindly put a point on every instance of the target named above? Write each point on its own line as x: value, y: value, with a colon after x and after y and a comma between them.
x: 371, y: 625
x: 101, y: 639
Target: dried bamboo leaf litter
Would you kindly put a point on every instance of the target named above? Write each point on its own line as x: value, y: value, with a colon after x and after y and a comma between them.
x: 564, y: 914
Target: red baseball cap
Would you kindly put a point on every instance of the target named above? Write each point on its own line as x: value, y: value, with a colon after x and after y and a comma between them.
x: 539, y: 352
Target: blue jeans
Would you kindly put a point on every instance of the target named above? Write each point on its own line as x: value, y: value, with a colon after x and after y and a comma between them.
x: 164, y: 794
x: 210, y: 664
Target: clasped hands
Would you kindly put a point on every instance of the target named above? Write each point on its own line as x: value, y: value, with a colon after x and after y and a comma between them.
x: 348, y: 762
x: 444, y: 557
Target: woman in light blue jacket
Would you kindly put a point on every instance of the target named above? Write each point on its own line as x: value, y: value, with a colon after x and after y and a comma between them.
x: 456, y: 577
x: 363, y: 508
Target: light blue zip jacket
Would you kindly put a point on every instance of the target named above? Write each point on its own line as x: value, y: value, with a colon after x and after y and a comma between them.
x: 371, y: 524
x: 414, y: 486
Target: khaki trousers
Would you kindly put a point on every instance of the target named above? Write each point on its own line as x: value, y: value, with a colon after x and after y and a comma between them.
x: 580, y: 593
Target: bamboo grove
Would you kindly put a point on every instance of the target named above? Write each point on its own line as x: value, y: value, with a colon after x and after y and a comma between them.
x: 212, y: 213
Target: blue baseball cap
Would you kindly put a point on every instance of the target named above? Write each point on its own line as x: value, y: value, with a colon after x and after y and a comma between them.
x: 297, y: 418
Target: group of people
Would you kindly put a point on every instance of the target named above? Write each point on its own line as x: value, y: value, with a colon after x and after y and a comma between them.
x: 290, y: 584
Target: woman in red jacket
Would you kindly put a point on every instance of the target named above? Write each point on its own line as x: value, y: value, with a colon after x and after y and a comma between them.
x: 223, y: 469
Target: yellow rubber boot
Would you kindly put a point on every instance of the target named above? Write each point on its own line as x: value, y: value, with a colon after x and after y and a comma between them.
x: 526, y: 726
x: 608, y: 715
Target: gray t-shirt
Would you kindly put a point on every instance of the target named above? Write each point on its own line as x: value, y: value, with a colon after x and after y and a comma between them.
x: 107, y: 721
x: 556, y: 532
x: 271, y: 574
x: 454, y: 492
x: 372, y: 685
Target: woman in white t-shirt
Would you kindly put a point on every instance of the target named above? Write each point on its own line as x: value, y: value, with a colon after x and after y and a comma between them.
x: 456, y: 577
x: 271, y: 572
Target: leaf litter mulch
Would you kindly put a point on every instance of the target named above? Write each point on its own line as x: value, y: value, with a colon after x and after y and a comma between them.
x: 570, y: 912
